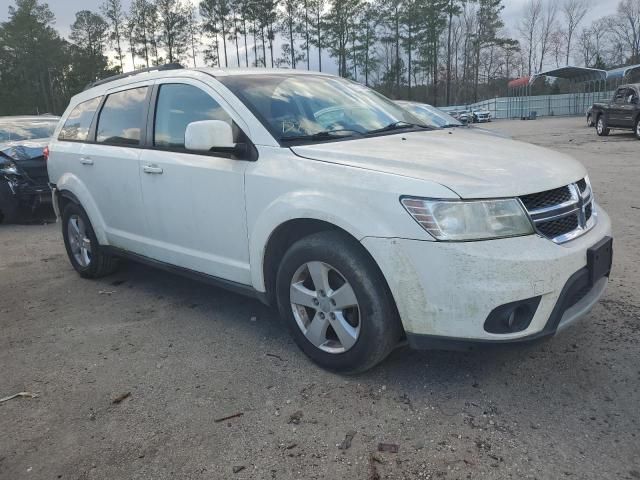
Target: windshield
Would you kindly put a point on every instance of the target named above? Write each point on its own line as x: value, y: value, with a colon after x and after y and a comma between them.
x: 431, y: 115
x: 316, y: 108
x: 26, y: 130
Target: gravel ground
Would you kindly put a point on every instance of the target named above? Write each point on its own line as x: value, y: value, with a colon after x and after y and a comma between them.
x: 185, y: 355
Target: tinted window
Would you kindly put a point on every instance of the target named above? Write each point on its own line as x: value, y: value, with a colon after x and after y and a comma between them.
x: 620, y: 94
x: 76, y: 127
x: 121, y: 119
x: 177, y: 106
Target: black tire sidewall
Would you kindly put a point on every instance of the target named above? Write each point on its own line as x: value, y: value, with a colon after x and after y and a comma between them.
x: 636, y: 129
x: 379, y: 323
x: 90, y: 270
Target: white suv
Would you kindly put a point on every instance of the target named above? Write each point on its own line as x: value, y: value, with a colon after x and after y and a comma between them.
x: 315, y: 194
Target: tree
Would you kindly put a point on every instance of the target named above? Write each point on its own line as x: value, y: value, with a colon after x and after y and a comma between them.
x: 173, y: 21
x: 452, y: 9
x: 33, y: 60
x: 529, y: 27
x: 290, y: 14
x: 548, y: 28
x: 89, y: 34
x: 192, y: 32
x: 574, y: 12
x: 114, y: 14
x: 489, y: 22
x: 625, y: 28
x: 214, y: 15
x: 316, y: 11
x: 338, y: 29
x: 142, y: 23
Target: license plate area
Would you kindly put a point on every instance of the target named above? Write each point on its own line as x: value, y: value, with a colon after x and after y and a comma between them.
x: 599, y: 259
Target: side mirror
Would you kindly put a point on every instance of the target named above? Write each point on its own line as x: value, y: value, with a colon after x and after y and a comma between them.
x: 208, y: 135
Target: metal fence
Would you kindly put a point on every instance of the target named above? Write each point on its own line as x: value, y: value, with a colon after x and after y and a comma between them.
x: 538, y: 105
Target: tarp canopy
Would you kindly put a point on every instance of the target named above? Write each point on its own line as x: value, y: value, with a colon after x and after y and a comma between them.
x: 576, y: 74
x: 622, y: 71
x: 519, y: 82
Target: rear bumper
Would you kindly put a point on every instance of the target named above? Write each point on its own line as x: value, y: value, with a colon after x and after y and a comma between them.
x: 445, y: 292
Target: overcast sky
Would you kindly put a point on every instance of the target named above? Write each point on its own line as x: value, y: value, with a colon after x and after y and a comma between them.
x: 65, y: 10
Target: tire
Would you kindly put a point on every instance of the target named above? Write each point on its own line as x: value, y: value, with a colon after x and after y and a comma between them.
x: 86, y: 255
x: 601, y: 127
x: 637, y: 129
x: 373, y: 324
x: 589, y: 121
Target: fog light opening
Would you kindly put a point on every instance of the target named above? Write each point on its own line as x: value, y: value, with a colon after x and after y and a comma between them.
x: 512, y: 317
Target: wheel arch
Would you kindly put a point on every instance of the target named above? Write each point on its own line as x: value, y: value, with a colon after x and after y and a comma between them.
x: 71, y: 189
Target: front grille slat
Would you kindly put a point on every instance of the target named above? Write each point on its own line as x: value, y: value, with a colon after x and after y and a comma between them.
x: 563, y: 213
x: 546, y: 199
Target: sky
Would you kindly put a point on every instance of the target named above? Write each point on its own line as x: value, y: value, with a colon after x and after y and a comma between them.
x: 65, y: 10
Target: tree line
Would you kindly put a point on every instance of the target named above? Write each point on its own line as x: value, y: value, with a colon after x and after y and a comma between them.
x: 440, y: 51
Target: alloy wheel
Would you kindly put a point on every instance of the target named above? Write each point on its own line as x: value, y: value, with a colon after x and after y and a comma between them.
x: 79, y: 241
x: 325, y: 307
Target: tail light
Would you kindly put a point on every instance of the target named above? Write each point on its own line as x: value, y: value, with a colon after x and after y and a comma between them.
x: 45, y: 153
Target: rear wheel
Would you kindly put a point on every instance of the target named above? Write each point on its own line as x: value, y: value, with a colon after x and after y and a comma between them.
x: 336, y: 303
x: 601, y: 126
x: 638, y: 128
x: 87, y: 256
x: 589, y: 121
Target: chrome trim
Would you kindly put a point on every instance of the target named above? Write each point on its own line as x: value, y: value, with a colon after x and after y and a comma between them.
x: 576, y: 206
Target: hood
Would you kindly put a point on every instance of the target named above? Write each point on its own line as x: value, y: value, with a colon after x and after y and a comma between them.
x: 471, y: 164
x: 23, y: 150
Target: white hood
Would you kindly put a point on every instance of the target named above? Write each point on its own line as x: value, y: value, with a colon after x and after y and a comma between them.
x: 472, y: 165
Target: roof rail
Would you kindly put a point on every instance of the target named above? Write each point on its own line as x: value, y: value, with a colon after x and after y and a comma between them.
x: 157, y: 68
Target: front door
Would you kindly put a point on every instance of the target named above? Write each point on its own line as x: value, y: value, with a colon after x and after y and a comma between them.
x: 616, y: 108
x: 194, y: 201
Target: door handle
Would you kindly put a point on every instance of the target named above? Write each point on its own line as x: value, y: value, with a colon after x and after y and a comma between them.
x: 86, y: 160
x: 152, y: 169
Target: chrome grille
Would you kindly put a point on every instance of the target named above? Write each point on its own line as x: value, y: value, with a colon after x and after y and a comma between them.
x: 564, y: 213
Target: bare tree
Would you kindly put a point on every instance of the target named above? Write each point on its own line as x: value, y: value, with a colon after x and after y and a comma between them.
x: 574, y: 12
x: 625, y: 28
x: 113, y: 12
x: 548, y: 27
x: 529, y: 27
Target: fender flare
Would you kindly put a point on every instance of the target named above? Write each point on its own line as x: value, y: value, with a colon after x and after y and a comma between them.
x: 71, y: 187
x: 297, y: 206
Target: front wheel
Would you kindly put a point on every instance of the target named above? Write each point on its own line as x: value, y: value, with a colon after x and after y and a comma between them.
x: 336, y: 303
x: 589, y: 121
x: 638, y: 128
x: 87, y: 256
x: 601, y: 127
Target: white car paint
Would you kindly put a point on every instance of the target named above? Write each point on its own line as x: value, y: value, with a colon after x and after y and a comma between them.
x: 216, y: 215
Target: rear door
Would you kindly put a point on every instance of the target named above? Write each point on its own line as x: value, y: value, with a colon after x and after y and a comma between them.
x: 110, y: 165
x: 194, y: 201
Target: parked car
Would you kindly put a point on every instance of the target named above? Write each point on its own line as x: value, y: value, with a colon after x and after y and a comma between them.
x: 622, y: 112
x: 481, y: 116
x: 440, y: 119
x: 430, y: 115
x: 366, y: 232
x: 463, y: 116
x: 23, y: 169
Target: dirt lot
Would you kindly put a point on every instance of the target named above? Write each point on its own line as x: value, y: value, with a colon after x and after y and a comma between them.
x: 190, y: 354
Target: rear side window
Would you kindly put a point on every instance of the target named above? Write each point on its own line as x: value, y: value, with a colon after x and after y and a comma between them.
x: 76, y: 127
x: 121, y: 118
x: 177, y: 106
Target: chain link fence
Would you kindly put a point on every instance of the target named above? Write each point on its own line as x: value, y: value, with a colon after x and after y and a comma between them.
x: 536, y: 105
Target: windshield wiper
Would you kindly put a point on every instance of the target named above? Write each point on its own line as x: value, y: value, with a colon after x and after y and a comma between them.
x: 324, y: 135
x: 399, y: 125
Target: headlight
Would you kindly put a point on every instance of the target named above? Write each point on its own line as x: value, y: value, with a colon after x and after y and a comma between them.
x: 457, y: 220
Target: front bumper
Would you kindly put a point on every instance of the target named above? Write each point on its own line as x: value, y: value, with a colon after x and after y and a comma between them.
x: 445, y: 291
x: 20, y: 196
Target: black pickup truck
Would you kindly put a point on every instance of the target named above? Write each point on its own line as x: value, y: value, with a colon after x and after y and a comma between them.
x: 622, y: 112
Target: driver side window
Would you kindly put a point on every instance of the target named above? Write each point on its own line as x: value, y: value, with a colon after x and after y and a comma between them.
x: 177, y: 106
